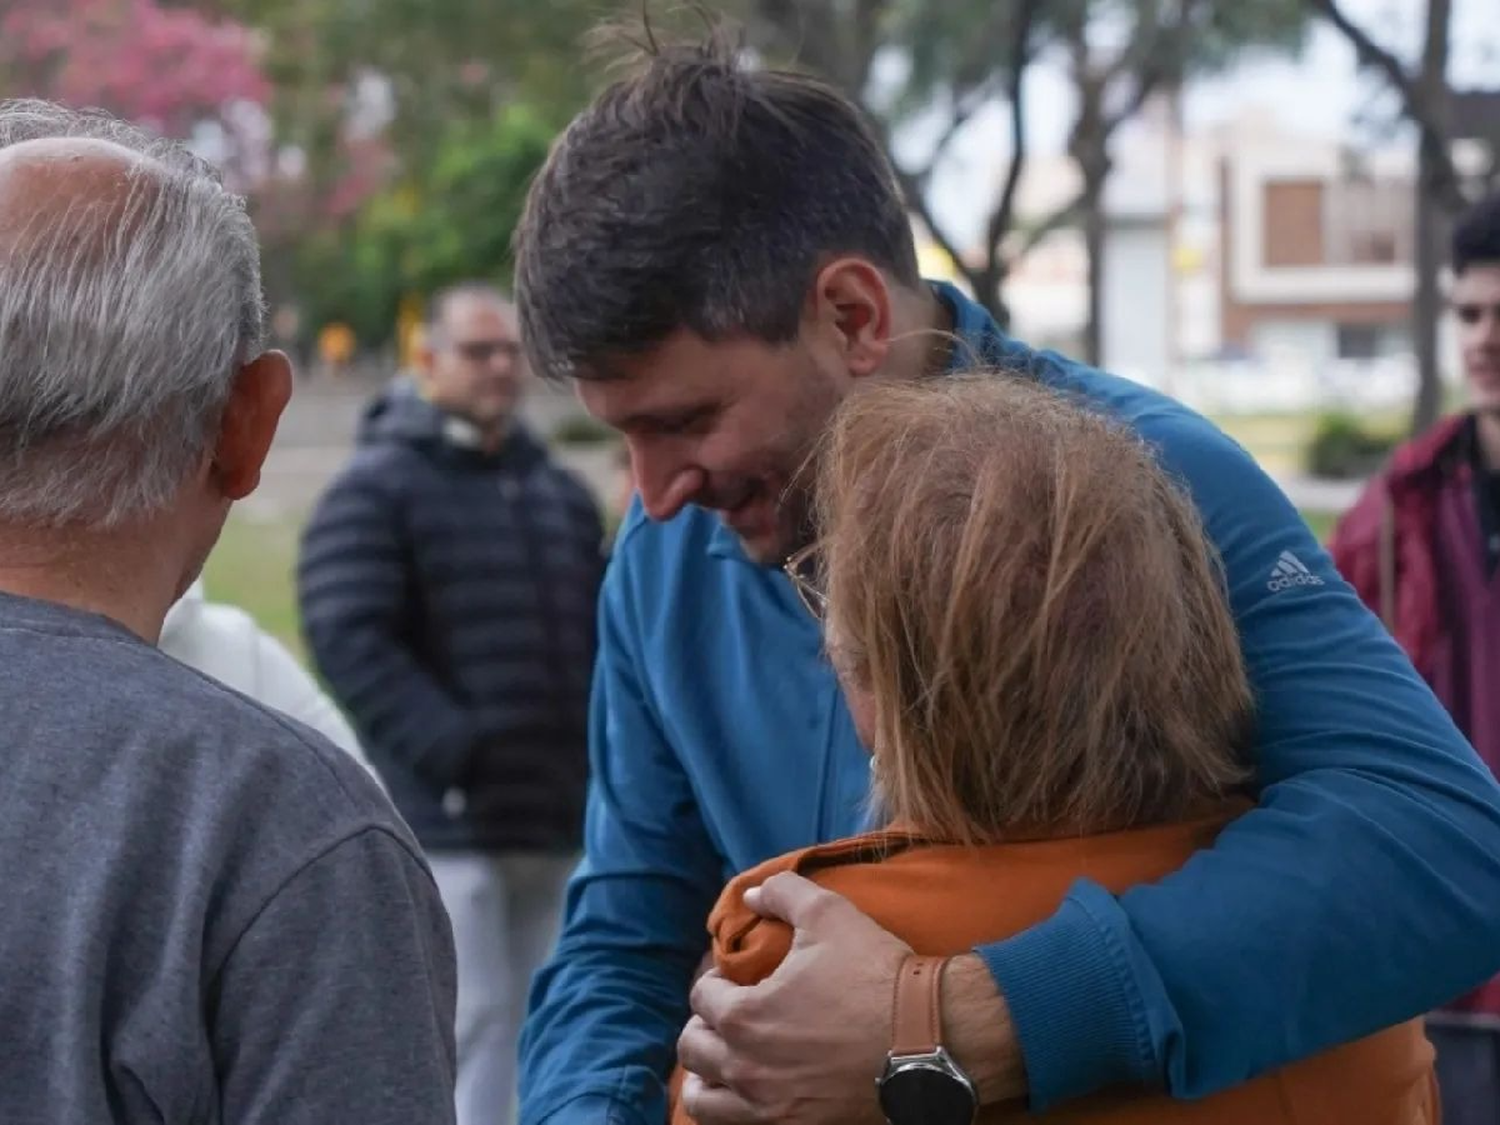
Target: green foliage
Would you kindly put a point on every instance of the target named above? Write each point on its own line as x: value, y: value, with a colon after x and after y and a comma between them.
x: 252, y: 567
x: 1227, y: 32
x: 471, y: 202
x: 452, y: 223
x: 450, y: 69
x: 1343, y: 448
x: 444, y: 61
x: 349, y: 275
x: 1321, y: 524
x: 1179, y: 39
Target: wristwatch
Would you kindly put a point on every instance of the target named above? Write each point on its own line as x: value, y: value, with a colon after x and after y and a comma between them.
x: 922, y: 1085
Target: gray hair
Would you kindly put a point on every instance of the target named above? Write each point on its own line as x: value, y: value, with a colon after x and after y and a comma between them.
x: 119, y: 340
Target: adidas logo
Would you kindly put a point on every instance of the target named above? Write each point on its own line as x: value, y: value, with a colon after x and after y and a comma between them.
x: 1289, y: 572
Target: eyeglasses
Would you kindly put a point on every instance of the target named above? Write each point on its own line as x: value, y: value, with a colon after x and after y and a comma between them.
x: 803, y: 570
x: 482, y: 351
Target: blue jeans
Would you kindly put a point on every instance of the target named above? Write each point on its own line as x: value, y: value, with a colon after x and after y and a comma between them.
x: 1468, y: 1071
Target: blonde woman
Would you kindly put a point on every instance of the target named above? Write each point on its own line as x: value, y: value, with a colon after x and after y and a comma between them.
x: 1034, y: 641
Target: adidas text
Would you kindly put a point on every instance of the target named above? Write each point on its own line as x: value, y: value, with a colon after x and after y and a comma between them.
x: 1290, y: 572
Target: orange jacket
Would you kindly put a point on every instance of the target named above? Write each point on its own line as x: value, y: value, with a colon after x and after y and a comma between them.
x: 943, y: 900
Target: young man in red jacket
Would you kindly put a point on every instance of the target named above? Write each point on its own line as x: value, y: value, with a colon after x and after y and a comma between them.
x: 1421, y: 548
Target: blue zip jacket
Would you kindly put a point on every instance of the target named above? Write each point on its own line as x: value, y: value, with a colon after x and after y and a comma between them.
x: 1363, y: 890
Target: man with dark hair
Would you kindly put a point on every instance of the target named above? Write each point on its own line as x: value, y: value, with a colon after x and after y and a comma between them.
x: 447, y: 581
x: 1421, y: 548
x: 716, y: 256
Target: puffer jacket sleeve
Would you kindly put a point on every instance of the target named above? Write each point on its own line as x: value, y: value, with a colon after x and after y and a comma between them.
x: 351, y: 584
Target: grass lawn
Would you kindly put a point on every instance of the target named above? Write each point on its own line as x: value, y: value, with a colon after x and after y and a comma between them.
x: 1279, y: 441
x: 253, y: 567
x: 1321, y: 523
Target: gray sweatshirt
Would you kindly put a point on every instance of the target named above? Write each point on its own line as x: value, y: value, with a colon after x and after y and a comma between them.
x: 210, y: 914
x: 226, y: 643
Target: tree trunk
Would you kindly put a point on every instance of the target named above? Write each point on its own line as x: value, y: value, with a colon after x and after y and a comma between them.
x: 1091, y: 153
x: 1088, y: 146
x: 1095, y: 241
x: 1174, y: 178
x: 989, y: 286
x: 1426, y: 306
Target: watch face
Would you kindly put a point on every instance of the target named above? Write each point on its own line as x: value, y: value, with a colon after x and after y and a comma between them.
x: 926, y: 1094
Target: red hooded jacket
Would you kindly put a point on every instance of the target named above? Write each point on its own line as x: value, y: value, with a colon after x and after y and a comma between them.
x: 1387, y: 548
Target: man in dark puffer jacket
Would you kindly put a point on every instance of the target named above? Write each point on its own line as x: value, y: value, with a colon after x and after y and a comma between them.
x: 447, y: 586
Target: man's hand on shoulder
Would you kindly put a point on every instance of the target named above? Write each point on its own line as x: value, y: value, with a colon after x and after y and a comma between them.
x: 807, y: 1045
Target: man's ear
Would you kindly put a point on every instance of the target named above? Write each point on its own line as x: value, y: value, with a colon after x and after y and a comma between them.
x: 850, y: 298
x: 261, y: 390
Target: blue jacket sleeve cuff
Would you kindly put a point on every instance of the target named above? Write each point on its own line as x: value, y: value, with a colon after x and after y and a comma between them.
x: 590, y: 1109
x: 1069, y: 983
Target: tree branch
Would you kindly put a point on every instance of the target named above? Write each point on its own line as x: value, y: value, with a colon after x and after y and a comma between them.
x: 1135, y: 57
x: 1059, y: 218
x: 980, y: 95
x: 914, y: 184
x: 1145, y: 86
x: 1371, y: 54
x: 963, y: 111
x: 1153, y: 60
x: 912, y: 188
x: 1000, y: 218
x: 1414, y: 99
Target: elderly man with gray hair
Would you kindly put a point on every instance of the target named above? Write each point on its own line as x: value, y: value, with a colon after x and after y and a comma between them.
x: 212, y: 915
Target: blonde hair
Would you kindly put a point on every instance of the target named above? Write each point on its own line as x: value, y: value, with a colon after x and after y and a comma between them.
x: 1034, y: 607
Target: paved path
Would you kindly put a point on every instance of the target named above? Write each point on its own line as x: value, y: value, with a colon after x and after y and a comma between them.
x: 1312, y: 494
x: 317, y: 435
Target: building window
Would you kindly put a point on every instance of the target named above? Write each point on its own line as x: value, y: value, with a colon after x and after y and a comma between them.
x: 1352, y: 221
x: 1293, y: 223
x: 1372, y: 341
x: 1369, y: 222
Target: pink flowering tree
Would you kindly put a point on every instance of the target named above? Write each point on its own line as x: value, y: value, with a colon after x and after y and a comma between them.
x: 169, y: 68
